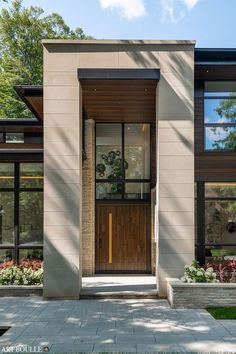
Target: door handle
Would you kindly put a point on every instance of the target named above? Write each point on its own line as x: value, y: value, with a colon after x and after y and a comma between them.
x: 110, y: 238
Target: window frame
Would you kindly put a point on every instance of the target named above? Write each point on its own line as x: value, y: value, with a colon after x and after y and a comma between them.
x: 16, y: 189
x: 124, y: 180
x: 216, y: 125
x: 200, y: 243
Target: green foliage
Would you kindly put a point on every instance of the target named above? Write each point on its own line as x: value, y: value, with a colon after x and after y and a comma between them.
x: 195, y: 274
x: 21, y: 52
x: 227, y: 109
x: 15, y: 275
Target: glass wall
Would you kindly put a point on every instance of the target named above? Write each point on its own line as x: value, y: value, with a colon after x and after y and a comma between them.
x: 217, y: 236
x: 21, y: 211
x: 220, y: 115
x: 122, y: 161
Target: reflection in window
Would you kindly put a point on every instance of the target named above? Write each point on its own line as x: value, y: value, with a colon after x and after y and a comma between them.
x: 122, y: 155
x: 219, y: 252
x: 109, y: 190
x: 31, y: 254
x: 218, y: 216
x: 31, y: 217
x: 31, y: 175
x: 137, y: 191
x: 137, y: 151
x: 14, y: 138
x: 108, y: 151
x: 220, y: 219
x: 220, y: 190
x: 6, y: 175
x: 6, y: 218
x: 21, y: 210
x: 220, y: 115
x: 220, y: 138
x: 6, y: 255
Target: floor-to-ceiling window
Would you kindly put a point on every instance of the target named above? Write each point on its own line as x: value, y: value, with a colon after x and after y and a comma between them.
x: 216, y: 221
x: 21, y: 211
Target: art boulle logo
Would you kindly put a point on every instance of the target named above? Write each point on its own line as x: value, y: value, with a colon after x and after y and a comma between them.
x: 25, y: 349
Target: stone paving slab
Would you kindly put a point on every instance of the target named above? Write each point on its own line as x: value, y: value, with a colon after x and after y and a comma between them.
x: 114, y: 325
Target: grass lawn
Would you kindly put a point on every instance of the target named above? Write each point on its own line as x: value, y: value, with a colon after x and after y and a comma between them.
x: 223, y: 313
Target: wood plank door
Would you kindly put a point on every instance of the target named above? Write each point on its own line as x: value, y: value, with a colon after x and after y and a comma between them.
x: 123, y: 238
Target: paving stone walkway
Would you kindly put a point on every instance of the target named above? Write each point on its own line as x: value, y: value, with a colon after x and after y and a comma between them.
x: 113, y: 325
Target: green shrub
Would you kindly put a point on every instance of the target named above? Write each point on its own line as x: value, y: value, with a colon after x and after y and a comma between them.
x: 15, y: 275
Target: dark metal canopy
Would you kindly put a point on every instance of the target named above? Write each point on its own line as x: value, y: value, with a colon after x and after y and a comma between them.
x: 119, y: 74
x: 32, y: 96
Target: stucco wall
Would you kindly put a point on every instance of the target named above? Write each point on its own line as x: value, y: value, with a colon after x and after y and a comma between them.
x: 62, y: 122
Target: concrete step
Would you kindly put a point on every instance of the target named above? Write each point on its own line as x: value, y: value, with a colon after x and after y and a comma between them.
x: 150, y: 294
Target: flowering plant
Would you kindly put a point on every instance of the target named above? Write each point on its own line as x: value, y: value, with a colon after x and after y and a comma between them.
x: 24, y: 263
x: 27, y: 272
x: 225, y: 270
x: 195, y: 274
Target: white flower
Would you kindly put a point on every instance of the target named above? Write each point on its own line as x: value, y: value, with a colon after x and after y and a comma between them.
x: 209, y: 270
x: 192, y: 269
x: 199, y: 273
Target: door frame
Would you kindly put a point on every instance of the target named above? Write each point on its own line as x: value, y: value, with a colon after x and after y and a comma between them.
x: 126, y: 202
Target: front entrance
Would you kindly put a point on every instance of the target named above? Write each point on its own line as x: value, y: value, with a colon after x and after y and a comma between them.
x: 123, y: 240
x: 123, y: 237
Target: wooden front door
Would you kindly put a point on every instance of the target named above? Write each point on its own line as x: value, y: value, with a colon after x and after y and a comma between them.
x: 123, y: 238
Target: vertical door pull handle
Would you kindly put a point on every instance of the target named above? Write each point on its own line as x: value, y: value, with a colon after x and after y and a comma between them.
x: 110, y: 239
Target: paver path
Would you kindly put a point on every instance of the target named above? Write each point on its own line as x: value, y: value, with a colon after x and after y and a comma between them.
x: 112, y: 325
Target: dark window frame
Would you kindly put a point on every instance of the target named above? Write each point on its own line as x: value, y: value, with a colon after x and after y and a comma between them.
x: 200, y: 243
x: 124, y: 180
x: 16, y: 189
x: 216, y: 125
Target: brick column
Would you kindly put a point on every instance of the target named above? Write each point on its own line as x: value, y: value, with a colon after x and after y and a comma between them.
x: 88, y: 195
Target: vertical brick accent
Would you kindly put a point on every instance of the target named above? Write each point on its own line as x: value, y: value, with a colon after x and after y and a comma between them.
x: 153, y: 238
x: 88, y: 201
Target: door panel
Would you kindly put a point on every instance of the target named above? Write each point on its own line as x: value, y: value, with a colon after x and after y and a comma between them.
x: 123, y: 238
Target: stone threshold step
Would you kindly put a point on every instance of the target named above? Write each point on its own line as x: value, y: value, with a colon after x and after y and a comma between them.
x: 119, y: 295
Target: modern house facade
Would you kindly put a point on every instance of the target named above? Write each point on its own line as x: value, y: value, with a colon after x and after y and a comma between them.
x: 129, y: 166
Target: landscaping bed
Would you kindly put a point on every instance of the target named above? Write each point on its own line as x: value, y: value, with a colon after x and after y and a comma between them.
x: 23, y: 279
x: 200, y: 295
x: 203, y: 287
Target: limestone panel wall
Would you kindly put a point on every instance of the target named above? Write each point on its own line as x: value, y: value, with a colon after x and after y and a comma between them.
x: 63, y: 154
x: 175, y: 115
x: 62, y: 187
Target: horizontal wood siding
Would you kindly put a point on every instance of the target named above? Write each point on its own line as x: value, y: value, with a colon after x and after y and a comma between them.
x: 120, y: 100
